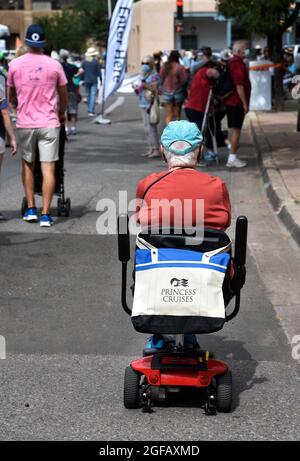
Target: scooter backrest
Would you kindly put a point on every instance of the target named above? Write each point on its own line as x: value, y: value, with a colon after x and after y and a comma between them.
x: 202, y: 241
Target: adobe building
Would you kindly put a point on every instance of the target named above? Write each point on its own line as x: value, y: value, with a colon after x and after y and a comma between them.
x: 154, y: 28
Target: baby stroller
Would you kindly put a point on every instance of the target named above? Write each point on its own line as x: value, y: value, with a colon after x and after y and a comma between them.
x: 156, y: 376
x: 63, y: 204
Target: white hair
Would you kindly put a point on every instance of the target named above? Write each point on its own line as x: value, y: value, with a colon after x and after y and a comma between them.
x: 186, y: 160
x: 238, y: 45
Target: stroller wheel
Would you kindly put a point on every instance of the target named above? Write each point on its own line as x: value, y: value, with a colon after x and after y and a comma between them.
x: 67, y: 207
x: 131, y: 389
x: 24, y: 206
x: 224, y: 392
x: 60, y: 207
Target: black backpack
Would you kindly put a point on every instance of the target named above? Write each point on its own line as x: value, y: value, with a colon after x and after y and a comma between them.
x: 224, y: 86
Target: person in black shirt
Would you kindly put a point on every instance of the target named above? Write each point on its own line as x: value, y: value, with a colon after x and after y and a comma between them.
x: 71, y: 71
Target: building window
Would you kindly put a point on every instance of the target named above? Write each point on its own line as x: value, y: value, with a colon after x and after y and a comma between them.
x: 189, y: 42
x: 12, y: 5
x: 52, y: 5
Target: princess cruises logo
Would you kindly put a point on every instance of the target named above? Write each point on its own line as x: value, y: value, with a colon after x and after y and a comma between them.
x: 179, y: 283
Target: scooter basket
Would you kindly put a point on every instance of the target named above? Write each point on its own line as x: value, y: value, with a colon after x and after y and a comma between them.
x: 179, y: 291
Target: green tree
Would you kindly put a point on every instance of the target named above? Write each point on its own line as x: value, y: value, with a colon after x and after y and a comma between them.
x: 94, y: 17
x: 64, y: 30
x: 71, y: 28
x: 270, y: 18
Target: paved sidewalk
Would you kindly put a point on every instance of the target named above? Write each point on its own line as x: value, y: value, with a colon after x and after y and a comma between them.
x: 277, y: 144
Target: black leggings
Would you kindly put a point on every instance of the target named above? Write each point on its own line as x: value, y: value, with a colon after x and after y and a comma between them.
x: 213, y: 126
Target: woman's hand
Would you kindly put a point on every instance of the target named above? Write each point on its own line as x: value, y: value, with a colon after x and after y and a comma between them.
x: 13, y: 145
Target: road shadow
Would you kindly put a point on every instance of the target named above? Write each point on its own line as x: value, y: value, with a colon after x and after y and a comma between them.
x: 240, y: 361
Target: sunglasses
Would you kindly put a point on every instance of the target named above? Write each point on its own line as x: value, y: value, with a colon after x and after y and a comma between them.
x: 143, y: 63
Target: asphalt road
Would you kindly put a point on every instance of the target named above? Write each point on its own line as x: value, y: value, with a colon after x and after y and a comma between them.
x: 68, y: 340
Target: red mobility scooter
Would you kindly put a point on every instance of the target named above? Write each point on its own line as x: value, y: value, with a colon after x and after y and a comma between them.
x: 157, y: 376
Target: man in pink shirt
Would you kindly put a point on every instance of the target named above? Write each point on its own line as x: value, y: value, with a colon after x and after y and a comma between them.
x: 37, y: 86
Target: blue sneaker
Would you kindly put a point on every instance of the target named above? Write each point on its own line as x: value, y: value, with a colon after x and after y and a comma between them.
x: 210, y: 156
x: 157, y: 344
x: 46, y: 220
x: 30, y: 215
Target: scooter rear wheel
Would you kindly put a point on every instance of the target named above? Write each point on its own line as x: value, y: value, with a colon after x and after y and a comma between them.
x: 224, y: 392
x: 131, y: 389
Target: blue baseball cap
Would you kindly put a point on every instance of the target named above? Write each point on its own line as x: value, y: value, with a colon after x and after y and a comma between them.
x: 35, y: 36
x: 181, y: 131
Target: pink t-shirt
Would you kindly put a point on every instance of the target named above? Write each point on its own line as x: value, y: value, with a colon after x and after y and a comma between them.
x: 36, y: 78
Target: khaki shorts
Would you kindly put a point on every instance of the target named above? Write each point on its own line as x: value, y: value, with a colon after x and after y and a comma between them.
x: 46, y: 139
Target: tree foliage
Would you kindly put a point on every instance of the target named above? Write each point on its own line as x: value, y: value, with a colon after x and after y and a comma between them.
x: 94, y: 17
x: 270, y: 18
x: 262, y: 17
x: 71, y: 28
x: 64, y: 30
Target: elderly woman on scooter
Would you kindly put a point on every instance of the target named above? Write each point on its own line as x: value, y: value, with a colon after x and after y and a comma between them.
x: 181, y: 147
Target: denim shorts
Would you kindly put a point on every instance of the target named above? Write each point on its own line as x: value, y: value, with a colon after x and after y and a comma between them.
x: 177, y: 97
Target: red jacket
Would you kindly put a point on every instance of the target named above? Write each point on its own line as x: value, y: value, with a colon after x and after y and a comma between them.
x: 199, y: 91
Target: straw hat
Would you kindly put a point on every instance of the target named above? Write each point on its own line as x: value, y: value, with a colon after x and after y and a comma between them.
x: 91, y: 52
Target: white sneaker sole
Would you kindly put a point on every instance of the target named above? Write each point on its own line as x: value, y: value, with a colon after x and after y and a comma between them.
x: 31, y: 219
x: 46, y: 224
x: 229, y: 165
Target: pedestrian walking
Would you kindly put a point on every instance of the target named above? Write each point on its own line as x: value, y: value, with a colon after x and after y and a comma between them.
x: 237, y: 103
x: 5, y: 128
x: 74, y: 97
x: 173, y: 80
x: 37, y: 86
x: 90, y: 67
x: 147, y: 90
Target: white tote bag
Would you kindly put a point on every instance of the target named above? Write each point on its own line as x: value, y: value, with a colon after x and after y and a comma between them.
x: 178, y: 291
x: 154, y: 116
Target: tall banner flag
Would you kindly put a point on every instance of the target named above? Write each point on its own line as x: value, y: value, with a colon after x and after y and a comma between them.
x: 117, y: 45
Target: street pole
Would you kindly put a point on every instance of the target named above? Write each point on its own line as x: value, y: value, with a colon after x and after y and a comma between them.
x: 101, y: 118
x: 109, y: 9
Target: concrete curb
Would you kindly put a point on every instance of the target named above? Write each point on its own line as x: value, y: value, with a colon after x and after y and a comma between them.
x: 282, y: 202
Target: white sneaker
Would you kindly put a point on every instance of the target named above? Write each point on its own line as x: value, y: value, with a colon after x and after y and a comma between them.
x: 237, y: 163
